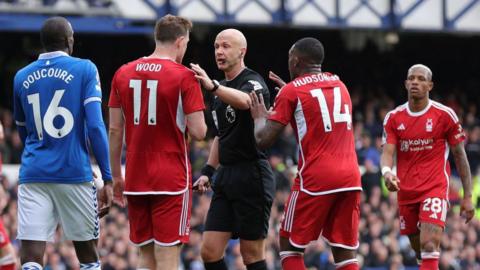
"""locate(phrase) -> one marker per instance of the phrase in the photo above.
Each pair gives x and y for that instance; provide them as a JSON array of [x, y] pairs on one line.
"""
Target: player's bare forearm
[[115, 141], [386, 162], [115, 133], [266, 134], [463, 168], [196, 125], [386, 159], [213, 156]]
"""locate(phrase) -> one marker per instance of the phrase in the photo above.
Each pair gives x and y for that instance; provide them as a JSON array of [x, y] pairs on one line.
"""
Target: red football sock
[[292, 260], [8, 267], [429, 264]]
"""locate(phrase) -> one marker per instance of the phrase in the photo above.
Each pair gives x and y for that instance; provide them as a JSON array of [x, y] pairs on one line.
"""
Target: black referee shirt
[[235, 127]]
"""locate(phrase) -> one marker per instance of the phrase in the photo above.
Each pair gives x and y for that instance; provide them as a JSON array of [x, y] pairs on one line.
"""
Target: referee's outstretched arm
[[236, 98]]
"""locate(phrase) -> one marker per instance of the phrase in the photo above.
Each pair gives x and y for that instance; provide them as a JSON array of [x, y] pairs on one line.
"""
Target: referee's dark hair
[[56, 34], [309, 50]]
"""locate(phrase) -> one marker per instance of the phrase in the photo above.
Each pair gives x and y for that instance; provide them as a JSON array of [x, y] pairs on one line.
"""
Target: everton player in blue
[[57, 108]]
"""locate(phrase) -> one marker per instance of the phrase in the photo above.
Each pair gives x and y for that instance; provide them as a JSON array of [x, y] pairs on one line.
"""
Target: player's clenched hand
[[202, 76], [276, 79], [118, 188], [392, 182], [466, 209], [105, 199], [201, 185]]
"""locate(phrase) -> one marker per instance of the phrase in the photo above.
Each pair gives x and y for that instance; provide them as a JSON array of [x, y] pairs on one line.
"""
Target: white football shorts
[[42, 206]]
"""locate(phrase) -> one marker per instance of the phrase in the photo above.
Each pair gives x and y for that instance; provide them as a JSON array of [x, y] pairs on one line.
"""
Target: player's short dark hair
[[54, 33], [170, 27], [309, 50]]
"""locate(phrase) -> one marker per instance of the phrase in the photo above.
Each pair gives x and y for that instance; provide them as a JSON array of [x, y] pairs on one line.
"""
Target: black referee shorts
[[242, 200]]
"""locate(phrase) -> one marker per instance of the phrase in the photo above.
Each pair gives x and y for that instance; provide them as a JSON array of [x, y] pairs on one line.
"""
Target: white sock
[[31, 266], [90, 266]]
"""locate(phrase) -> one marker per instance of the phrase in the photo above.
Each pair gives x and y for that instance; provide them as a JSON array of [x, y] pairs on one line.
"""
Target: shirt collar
[[420, 113], [54, 54]]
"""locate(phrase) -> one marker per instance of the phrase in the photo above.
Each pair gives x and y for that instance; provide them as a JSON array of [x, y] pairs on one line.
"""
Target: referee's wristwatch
[[216, 84]]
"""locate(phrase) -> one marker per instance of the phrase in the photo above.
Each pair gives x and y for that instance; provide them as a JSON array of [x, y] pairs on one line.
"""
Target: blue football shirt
[[50, 96]]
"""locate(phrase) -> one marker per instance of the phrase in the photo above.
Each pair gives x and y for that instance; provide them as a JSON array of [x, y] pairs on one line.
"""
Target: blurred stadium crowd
[[381, 246]]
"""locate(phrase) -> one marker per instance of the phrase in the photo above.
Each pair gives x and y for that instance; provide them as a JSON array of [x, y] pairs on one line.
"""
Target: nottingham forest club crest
[[429, 125], [230, 114]]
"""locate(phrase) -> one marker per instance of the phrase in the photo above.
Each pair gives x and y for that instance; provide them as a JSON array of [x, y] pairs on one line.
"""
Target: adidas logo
[[401, 127], [433, 215]]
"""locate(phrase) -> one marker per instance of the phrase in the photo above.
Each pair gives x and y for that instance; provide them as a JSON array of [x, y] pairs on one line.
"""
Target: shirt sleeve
[[389, 136], [284, 106], [192, 98], [114, 101], [93, 89], [455, 133], [97, 136]]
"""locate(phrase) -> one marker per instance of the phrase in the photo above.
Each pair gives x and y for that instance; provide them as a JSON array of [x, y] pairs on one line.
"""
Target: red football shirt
[[155, 96], [422, 142], [319, 108]]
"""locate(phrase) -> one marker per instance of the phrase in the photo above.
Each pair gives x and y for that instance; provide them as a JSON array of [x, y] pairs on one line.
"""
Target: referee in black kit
[[244, 187]]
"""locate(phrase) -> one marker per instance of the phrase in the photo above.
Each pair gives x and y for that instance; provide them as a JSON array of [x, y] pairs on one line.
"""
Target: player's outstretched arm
[[463, 168], [386, 162], [116, 143], [236, 98], [266, 131]]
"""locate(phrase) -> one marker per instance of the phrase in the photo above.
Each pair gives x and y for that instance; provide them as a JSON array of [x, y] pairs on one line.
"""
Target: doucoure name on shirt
[[321, 77], [47, 73]]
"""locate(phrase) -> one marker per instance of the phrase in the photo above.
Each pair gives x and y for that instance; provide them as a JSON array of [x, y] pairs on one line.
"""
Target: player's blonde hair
[[421, 66]]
